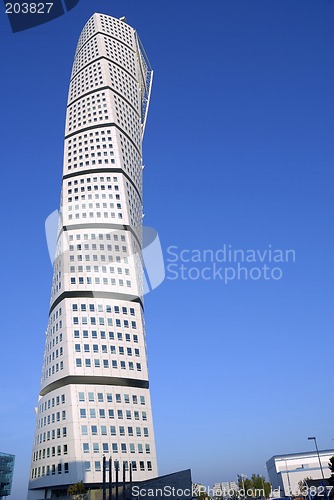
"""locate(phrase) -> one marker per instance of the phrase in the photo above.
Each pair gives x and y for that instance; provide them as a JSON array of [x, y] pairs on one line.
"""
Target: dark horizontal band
[[102, 125], [102, 171], [100, 225], [108, 59], [84, 294], [94, 380], [109, 36], [105, 87]]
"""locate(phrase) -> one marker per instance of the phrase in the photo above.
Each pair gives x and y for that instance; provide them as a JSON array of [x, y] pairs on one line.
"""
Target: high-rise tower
[[94, 397]]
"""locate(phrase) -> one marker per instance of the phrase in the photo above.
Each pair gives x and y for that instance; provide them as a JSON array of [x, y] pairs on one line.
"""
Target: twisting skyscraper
[[94, 398]]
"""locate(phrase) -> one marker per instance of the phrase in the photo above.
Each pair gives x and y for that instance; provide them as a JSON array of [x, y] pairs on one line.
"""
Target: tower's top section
[[107, 25], [112, 39]]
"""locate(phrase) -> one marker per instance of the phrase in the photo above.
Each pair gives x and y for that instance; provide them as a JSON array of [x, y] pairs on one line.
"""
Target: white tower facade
[[94, 398]]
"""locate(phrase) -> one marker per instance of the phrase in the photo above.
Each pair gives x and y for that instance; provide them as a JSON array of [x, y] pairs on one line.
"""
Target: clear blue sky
[[238, 151]]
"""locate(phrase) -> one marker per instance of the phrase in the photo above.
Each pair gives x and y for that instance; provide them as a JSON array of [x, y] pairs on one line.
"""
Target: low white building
[[286, 471]]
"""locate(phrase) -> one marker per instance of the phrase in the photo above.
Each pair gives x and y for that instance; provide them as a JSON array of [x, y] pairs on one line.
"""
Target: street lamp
[[322, 472]]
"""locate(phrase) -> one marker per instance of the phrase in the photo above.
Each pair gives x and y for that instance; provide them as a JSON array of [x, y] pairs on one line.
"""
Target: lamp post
[[312, 438]]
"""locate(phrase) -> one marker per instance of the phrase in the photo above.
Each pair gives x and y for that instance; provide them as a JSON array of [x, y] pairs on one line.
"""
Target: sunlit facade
[[94, 398]]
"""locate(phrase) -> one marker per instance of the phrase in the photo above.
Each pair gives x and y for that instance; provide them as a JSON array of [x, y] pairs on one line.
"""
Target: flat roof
[[299, 454]]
